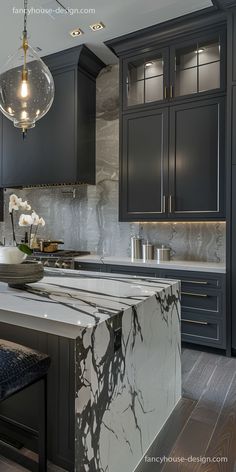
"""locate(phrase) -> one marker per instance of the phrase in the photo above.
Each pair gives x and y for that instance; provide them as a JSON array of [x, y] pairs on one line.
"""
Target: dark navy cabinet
[[173, 162], [203, 300], [144, 165], [61, 147], [172, 135], [197, 160]]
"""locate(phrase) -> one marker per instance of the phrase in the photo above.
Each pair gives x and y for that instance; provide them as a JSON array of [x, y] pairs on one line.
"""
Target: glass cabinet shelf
[[197, 68]]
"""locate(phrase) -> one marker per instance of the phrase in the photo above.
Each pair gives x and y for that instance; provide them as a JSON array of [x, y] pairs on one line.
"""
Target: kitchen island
[[116, 372]]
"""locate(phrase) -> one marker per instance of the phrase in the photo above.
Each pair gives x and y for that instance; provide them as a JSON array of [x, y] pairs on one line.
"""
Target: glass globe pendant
[[26, 86]]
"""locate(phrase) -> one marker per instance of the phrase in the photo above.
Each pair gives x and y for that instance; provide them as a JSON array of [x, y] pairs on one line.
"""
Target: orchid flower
[[25, 220], [15, 204]]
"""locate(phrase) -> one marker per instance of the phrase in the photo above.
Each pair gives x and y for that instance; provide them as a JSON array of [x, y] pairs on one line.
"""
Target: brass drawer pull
[[203, 282], [163, 204], [203, 295], [165, 92], [196, 322]]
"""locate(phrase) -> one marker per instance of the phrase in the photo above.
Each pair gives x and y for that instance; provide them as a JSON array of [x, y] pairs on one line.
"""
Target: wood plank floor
[[203, 424]]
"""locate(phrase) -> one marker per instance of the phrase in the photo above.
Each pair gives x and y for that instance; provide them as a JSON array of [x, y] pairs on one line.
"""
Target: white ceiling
[[51, 32]]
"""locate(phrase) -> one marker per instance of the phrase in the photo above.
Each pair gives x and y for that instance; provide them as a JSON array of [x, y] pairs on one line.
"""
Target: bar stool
[[21, 367]]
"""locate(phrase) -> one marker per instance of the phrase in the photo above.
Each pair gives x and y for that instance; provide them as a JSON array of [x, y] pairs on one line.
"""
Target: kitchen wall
[[88, 218]]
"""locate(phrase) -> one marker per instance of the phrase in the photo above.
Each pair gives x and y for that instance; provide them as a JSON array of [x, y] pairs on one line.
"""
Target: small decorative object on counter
[[136, 248], [148, 252], [163, 254], [21, 274], [17, 253]]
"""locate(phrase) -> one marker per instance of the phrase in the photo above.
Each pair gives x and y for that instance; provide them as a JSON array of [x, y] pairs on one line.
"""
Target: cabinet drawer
[[206, 301], [203, 331], [195, 280], [90, 267], [138, 271]]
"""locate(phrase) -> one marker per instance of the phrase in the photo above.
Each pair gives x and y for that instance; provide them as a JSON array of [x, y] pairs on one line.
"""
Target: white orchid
[[14, 203], [25, 220], [35, 218], [41, 222], [25, 206]]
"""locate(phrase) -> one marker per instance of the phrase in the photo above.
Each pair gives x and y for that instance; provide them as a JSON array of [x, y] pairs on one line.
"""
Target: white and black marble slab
[[64, 301], [127, 378], [124, 397]]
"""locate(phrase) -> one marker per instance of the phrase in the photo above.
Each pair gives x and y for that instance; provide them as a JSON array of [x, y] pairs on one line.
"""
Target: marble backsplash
[[87, 219]]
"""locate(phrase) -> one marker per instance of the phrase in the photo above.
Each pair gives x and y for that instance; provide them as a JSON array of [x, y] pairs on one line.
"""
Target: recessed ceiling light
[[97, 26], [148, 64], [199, 50], [76, 32]]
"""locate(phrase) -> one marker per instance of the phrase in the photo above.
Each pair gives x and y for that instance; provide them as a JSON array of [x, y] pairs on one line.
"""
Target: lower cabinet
[[203, 303]]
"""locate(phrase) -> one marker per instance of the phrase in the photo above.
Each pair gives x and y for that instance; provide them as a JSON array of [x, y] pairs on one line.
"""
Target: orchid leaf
[[25, 248]]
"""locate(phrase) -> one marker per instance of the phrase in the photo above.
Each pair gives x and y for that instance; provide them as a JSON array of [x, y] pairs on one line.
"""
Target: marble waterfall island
[[116, 373]]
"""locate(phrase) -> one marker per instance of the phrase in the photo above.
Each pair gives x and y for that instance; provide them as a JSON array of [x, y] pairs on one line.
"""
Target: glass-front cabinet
[[185, 70], [197, 68], [146, 79]]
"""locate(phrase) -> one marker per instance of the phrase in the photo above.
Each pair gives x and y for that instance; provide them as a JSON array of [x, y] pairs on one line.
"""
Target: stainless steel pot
[[163, 254]]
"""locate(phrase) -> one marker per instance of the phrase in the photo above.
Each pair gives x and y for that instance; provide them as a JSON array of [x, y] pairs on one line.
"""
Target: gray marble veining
[[90, 220], [126, 350]]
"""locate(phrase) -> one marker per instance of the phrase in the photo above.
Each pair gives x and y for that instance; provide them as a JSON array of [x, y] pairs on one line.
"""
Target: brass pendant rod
[[25, 39]]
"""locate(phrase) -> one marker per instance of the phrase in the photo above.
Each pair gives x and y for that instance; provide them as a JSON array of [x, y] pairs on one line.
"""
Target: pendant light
[[26, 85]]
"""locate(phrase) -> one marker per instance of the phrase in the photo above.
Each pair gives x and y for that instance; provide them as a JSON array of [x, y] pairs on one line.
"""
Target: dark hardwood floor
[[204, 422], [202, 425]]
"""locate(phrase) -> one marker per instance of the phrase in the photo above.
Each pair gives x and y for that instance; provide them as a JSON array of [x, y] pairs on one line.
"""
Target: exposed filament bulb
[[24, 86]]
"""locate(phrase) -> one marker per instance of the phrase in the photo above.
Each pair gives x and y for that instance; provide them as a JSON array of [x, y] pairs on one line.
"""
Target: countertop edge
[[190, 266]]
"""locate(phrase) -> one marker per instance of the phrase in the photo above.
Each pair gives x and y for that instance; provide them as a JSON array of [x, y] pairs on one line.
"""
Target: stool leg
[[43, 427]]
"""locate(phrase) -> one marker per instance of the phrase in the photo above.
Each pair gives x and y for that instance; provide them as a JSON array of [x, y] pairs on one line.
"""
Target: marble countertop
[[216, 267], [63, 302]]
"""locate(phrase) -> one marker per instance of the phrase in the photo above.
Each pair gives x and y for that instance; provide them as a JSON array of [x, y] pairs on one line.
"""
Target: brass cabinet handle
[[171, 91], [203, 295], [195, 322], [170, 204], [202, 282], [163, 204], [165, 92]]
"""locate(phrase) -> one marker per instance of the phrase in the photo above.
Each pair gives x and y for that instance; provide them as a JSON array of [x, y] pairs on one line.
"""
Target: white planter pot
[[11, 255]]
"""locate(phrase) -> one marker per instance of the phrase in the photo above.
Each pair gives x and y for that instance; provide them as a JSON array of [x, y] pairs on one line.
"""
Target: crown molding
[[171, 30]]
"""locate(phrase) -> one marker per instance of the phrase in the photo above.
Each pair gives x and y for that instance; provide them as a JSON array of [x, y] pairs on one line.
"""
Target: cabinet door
[[233, 235], [145, 79], [48, 154], [144, 166], [198, 67], [196, 161]]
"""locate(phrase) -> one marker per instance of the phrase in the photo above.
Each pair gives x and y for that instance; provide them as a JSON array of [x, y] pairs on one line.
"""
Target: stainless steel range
[[61, 259]]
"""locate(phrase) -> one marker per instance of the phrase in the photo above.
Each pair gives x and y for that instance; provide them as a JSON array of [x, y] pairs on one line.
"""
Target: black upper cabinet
[[197, 67], [172, 163], [191, 68], [144, 165], [172, 135], [61, 147], [145, 79], [197, 159]]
